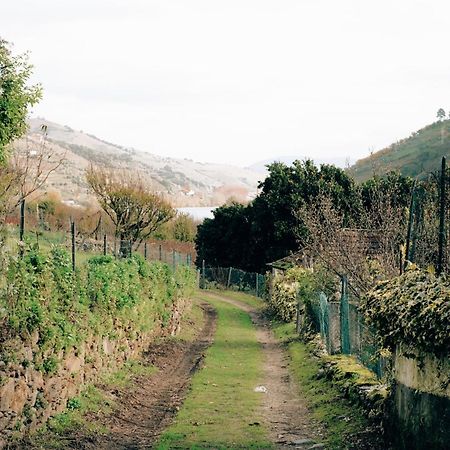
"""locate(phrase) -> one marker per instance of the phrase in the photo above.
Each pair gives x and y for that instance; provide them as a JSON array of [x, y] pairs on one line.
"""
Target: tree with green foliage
[[440, 114], [182, 228], [392, 190], [225, 240], [16, 96], [249, 237]]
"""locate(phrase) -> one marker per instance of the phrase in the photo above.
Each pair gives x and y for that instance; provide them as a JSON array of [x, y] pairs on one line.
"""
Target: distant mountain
[[415, 156], [185, 182], [260, 166]]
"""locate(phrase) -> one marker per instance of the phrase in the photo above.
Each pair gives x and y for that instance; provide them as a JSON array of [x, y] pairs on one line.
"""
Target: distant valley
[[188, 183], [183, 181]]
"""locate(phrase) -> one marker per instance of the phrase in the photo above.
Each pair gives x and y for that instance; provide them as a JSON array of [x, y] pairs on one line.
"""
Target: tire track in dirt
[[145, 410], [285, 412]]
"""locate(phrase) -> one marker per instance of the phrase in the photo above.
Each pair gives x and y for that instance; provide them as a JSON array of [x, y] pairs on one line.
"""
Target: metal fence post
[[345, 316], [229, 277], [203, 273], [22, 219], [104, 245], [440, 263], [160, 252], [173, 259], [410, 225], [145, 250], [72, 229]]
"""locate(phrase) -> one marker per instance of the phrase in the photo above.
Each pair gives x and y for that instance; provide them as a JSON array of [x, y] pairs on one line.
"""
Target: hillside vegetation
[[184, 182], [415, 156]]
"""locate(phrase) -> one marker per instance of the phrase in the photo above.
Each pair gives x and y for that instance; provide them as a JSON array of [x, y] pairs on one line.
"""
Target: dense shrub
[[41, 295], [288, 289], [297, 286], [413, 309]]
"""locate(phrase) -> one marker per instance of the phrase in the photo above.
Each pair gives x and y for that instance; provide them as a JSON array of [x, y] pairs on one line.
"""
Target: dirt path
[[286, 413], [149, 407]]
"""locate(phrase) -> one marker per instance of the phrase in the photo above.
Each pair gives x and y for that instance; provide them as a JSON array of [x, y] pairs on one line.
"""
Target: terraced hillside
[[185, 182]]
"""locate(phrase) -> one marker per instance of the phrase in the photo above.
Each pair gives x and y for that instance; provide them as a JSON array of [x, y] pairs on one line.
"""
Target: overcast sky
[[238, 80]]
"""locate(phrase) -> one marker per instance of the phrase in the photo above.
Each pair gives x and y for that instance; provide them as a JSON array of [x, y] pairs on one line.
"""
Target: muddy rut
[[143, 412]]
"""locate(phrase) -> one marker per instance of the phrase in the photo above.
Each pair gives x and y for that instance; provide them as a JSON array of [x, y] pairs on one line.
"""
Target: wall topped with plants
[[412, 309], [60, 330]]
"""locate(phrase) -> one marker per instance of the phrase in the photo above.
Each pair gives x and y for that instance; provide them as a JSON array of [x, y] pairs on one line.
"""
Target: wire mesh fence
[[427, 238], [234, 279], [83, 236], [83, 246], [342, 328]]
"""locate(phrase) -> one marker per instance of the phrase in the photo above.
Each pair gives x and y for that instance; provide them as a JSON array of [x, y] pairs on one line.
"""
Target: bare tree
[[27, 171], [133, 207], [366, 253]]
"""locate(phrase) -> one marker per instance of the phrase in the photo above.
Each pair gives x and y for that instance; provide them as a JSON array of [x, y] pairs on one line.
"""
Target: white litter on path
[[262, 389]]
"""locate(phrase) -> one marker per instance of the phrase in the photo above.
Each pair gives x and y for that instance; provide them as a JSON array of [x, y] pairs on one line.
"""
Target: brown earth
[[144, 409], [144, 412]]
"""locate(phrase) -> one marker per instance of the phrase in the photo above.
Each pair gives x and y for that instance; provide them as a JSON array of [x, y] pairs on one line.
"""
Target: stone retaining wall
[[29, 397], [420, 404]]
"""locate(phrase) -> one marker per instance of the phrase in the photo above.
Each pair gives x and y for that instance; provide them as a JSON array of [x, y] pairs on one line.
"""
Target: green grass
[[192, 323], [417, 155], [121, 378], [81, 410], [251, 300], [339, 417], [222, 411], [53, 435], [46, 240]]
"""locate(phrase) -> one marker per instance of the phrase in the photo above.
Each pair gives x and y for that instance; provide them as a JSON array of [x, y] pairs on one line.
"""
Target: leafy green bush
[[41, 295], [413, 309], [296, 284]]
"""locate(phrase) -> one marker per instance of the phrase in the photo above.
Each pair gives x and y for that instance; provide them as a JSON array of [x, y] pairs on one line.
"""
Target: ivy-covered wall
[[411, 316], [60, 330], [412, 309]]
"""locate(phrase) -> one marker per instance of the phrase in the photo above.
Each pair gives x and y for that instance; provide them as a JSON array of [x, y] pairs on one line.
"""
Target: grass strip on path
[[341, 420], [222, 409], [248, 299]]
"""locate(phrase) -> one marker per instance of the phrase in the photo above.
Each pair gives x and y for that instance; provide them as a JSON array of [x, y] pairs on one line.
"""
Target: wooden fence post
[[145, 250], [104, 245], [440, 264], [160, 252]]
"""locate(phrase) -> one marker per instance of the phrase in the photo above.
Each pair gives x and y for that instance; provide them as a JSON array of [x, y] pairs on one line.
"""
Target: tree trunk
[[124, 248]]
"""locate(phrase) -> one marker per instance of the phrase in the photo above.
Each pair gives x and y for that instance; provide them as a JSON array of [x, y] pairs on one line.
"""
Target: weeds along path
[[290, 423], [149, 408], [146, 404]]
